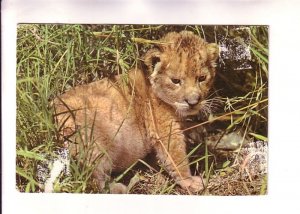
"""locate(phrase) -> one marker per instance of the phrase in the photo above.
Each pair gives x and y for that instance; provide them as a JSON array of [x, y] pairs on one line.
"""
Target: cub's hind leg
[[102, 175]]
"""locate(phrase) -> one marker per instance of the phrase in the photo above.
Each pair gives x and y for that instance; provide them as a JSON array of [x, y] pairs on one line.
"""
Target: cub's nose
[[193, 100]]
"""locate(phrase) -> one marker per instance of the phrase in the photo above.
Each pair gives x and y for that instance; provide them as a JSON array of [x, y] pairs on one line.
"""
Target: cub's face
[[182, 70]]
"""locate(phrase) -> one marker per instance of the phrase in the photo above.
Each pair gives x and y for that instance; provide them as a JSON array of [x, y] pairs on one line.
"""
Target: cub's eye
[[201, 78], [176, 81]]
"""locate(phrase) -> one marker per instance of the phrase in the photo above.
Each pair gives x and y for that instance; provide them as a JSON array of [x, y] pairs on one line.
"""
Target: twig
[[216, 118]]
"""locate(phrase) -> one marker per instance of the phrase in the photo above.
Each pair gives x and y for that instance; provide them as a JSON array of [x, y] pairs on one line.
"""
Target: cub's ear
[[212, 53], [151, 58]]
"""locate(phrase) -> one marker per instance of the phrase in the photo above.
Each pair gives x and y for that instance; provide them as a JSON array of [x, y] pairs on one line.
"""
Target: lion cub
[[124, 122]]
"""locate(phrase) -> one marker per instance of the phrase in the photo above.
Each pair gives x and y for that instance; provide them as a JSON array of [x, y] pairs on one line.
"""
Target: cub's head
[[181, 71]]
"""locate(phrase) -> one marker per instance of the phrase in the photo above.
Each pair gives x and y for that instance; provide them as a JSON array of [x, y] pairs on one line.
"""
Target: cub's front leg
[[171, 151]]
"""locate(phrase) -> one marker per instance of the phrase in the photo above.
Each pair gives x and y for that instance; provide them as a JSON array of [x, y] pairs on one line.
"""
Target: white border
[[284, 20]]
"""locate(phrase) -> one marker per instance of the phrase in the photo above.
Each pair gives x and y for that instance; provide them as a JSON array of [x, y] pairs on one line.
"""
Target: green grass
[[52, 58]]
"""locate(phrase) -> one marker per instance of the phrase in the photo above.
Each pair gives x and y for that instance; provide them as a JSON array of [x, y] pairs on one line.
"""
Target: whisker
[[210, 106]]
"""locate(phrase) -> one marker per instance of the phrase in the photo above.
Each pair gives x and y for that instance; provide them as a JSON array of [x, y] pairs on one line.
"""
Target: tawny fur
[[125, 122]]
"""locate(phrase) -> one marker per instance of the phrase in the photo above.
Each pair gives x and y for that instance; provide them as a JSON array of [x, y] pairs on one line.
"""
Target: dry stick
[[214, 119], [109, 33], [163, 146], [147, 41]]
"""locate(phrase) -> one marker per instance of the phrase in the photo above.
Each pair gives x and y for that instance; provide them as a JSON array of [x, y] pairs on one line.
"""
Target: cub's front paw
[[194, 183]]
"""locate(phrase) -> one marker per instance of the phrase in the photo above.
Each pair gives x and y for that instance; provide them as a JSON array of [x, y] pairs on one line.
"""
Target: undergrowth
[[52, 58]]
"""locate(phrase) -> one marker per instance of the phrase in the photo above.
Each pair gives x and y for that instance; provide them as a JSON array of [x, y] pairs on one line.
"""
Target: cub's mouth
[[184, 109], [204, 107], [181, 105]]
